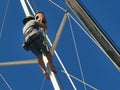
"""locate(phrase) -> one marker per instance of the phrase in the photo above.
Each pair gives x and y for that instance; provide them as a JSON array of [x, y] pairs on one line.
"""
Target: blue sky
[[97, 68]]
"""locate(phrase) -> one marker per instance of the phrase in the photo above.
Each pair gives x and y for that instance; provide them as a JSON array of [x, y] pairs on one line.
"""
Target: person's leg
[[43, 49], [42, 66], [38, 53], [49, 57]]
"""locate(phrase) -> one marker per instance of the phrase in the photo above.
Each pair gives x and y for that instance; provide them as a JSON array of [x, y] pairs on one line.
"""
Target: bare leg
[[49, 57], [42, 66]]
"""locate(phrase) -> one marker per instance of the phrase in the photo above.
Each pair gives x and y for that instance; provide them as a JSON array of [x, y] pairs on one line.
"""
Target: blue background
[[98, 70]]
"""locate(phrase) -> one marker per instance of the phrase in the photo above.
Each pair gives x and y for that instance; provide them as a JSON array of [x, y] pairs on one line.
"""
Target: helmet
[[25, 20]]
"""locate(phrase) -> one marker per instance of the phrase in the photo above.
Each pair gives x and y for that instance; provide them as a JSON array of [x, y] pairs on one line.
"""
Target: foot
[[52, 67], [47, 75]]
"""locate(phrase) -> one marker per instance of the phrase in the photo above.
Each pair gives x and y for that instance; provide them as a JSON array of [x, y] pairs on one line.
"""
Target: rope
[[57, 6], [3, 22], [5, 82], [78, 57], [87, 33], [81, 81], [84, 29], [30, 7], [43, 82], [35, 5]]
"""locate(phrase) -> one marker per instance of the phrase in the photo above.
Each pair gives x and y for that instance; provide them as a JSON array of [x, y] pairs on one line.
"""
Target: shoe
[[47, 75]]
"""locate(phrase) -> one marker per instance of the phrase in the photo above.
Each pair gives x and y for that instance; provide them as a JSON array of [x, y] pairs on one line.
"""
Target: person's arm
[[44, 26]]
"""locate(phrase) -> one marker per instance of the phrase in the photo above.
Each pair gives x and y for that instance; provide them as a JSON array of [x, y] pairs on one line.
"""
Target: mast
[[95, 32], [53, 77], [25, 7]]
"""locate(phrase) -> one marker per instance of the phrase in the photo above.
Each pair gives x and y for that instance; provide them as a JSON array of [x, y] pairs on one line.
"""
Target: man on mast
[[36, 41]]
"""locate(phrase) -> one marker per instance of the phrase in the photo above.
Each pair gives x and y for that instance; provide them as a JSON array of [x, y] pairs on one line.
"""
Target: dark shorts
[[36, 44], [37, 47]]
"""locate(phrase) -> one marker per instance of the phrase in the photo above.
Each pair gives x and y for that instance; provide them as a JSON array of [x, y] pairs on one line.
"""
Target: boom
[[95, 32]]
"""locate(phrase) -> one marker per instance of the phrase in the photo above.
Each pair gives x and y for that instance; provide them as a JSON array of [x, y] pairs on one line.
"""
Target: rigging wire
[[83, 27], [77, 79], [30, 7], [35, 5], [43, 82], [5, 82], [78, 57], [60, 61], [84, 30], [81, 81], [4, 18], [58, 6]]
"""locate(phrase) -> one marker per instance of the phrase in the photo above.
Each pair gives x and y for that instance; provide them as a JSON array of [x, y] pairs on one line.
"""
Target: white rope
[[87, 33], [78, 57], [43, 82], [35, 5], [83, 28], [31, 7], [5, 82], [60, 61], [81, 81], [3, 22], [58, 6]]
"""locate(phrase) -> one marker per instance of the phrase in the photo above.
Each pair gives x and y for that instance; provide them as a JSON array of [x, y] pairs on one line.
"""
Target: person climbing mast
[[35, 40]]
